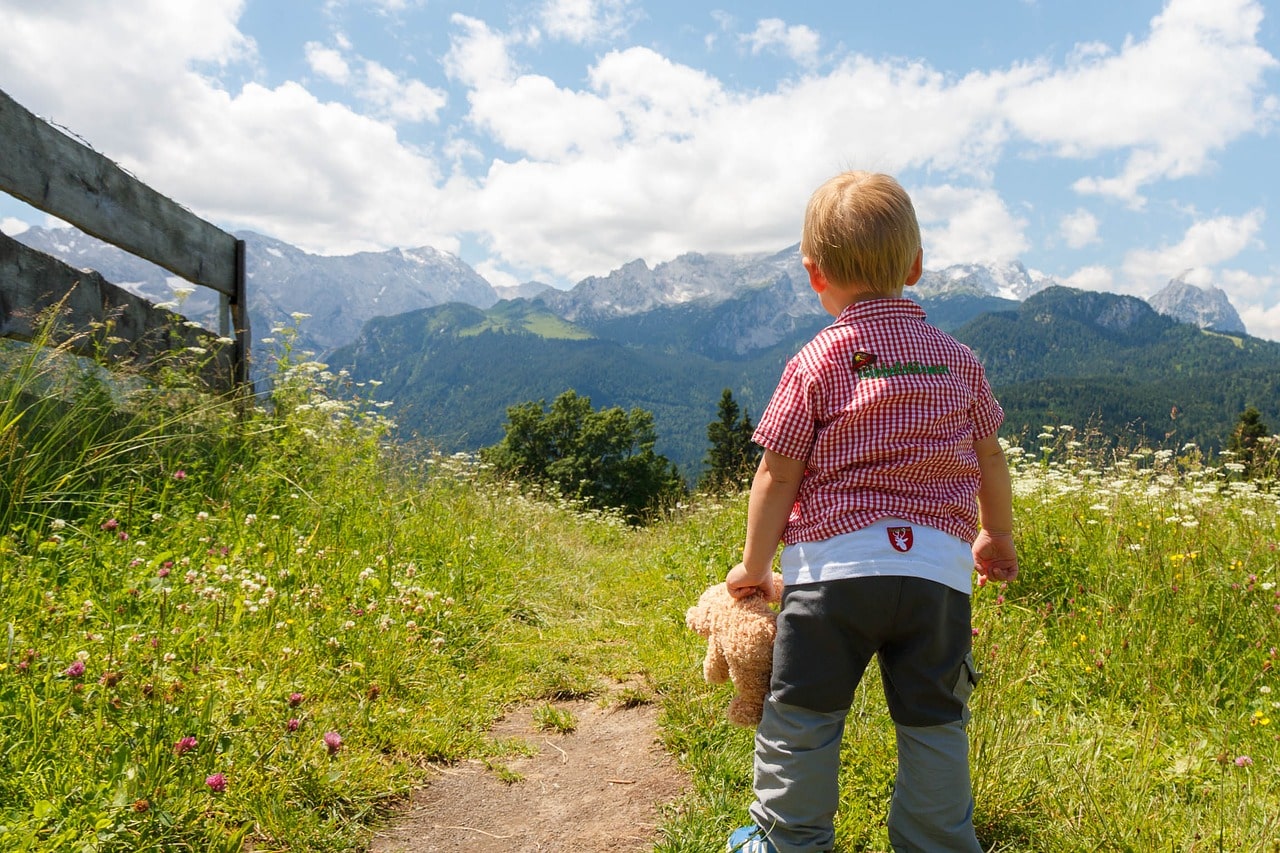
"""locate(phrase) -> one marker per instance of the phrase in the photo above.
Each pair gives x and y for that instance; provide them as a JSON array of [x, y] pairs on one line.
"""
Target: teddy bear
[[739, 636]]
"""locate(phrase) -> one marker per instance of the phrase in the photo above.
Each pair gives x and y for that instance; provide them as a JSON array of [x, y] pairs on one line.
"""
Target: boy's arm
[[994, 554], [773, 493]]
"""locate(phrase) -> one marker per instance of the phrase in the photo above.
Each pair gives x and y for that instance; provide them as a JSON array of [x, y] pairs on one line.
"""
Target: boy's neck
[[855, 295]]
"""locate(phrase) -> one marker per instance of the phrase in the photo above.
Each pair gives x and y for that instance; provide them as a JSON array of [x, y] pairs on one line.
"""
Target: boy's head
[[860, 230]]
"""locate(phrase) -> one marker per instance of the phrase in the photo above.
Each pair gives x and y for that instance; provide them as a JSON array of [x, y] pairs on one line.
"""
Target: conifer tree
[[1246, 442], [733, 455]]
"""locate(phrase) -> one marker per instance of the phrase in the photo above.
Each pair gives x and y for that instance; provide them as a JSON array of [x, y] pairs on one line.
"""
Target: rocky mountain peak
[[1206, 307]]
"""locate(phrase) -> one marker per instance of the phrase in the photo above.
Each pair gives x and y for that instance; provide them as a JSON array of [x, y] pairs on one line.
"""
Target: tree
[[1247, 442], [604, 459], [733, 455]]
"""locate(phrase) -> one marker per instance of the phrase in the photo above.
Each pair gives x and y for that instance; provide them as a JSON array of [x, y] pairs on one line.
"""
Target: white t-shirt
[[891, 547]]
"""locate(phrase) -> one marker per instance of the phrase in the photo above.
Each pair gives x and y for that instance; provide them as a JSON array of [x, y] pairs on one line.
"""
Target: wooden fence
[[49, 170]]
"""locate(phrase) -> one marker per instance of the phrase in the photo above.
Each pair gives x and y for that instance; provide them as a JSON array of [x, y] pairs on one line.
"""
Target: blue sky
[[1111, 145]]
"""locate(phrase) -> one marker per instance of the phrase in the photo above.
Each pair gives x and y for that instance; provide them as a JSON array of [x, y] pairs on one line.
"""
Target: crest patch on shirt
[[901, 538], [863, 359]]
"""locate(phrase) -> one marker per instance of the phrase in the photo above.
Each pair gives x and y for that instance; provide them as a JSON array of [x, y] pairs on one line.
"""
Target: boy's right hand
[[741, 583], [994, 555]]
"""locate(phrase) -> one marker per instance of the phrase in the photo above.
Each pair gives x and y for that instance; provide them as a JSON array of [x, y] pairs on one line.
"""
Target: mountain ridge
[[454, 355]]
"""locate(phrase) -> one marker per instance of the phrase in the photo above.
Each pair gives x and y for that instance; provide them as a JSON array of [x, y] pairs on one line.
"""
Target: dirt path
[[597, 789]]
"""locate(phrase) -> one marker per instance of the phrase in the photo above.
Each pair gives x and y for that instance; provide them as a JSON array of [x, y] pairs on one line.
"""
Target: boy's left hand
[[994, 555], [741, 584]]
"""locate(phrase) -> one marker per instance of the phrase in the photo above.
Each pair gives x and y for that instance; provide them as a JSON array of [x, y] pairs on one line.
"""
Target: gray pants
[[920, 633]]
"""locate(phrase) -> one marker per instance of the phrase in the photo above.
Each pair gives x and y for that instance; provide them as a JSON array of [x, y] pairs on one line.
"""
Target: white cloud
[[100, 61], [584, 21], [1166, 103], [478, 57], [328, 63], [960, 225], [1207, 243], [380, 87], [1079, 229], [798, 42], [638, 155], [655, 97], [404, 100], [13, 226], [1261, 321], [1092, 278]]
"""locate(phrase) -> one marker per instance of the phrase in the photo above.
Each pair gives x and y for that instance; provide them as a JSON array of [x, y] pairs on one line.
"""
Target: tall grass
[[221, 630]]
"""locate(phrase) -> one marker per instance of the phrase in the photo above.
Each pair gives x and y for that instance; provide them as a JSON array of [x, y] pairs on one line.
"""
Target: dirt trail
[[597, 789]]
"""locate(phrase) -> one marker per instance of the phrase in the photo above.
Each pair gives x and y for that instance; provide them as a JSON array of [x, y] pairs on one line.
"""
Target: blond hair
[[860, 228]]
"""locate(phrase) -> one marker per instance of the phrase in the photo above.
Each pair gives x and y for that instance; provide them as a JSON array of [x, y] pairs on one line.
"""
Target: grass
[[221, 631]]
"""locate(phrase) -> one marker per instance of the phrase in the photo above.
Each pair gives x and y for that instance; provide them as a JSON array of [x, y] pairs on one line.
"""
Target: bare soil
[[596, 789]]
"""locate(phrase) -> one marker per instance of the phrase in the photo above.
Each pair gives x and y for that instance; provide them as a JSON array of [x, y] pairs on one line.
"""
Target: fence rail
[[62, 176]]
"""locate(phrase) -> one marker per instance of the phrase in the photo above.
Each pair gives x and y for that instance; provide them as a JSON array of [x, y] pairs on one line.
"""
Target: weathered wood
[[99, 319], [62, 176]]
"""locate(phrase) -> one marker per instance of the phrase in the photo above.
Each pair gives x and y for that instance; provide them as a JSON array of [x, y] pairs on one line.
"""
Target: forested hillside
[[1062, 356], [1068, 356]]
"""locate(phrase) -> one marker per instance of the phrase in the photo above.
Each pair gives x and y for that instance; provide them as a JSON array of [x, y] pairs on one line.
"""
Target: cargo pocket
[[966, 680]]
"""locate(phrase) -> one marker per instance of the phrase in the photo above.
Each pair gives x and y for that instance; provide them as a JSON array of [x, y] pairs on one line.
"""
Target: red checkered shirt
[[884, 410]]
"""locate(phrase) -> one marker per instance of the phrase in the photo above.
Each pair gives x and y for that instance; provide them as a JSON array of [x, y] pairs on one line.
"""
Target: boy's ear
[[817, 280], [917, 269]]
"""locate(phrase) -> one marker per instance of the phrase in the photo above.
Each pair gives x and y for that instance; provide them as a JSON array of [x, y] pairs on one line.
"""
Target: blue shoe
[[749, 839]]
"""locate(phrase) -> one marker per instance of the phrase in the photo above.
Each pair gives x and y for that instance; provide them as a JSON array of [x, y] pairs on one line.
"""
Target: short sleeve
[[987, 413], [789, 423]]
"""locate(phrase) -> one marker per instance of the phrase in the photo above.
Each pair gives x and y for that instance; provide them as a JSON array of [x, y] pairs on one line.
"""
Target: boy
[[880, 460]]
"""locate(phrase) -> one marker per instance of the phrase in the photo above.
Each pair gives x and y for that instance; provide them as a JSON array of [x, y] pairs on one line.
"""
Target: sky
[[1111, 145]]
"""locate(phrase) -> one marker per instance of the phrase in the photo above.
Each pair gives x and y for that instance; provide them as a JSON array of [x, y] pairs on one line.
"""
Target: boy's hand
[[994, 555], [742, 584]]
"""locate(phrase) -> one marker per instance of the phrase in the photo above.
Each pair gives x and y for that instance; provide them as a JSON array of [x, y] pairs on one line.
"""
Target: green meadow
[[227, 629]]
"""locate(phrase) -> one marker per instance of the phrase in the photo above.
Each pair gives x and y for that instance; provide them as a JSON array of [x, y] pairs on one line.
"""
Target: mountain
[[527, 290], [1115, 364], [339, 294], [1207, 307], [1060, 356], [671, 337], [1011, 281]]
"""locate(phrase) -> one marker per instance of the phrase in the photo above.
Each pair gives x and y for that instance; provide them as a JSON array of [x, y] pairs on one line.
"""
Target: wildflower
[[163, 572], [1244, 761], [217, 783], [109, 524], [141, 806], [202, 516], [295, 699], [75, 670], [185, 745], [58, 524], [333, 742], [293, 724]]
